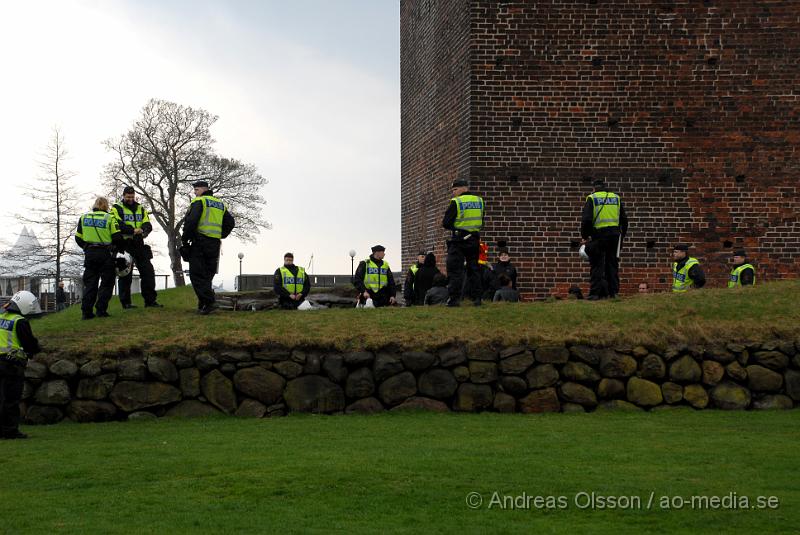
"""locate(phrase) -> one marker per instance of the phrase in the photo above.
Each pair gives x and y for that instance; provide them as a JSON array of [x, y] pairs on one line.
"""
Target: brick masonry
[[689, 109]]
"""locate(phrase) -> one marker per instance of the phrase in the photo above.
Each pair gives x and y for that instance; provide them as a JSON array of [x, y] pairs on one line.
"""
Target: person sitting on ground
[[291, 284], [438, 294], [506, 292], [424, 278]]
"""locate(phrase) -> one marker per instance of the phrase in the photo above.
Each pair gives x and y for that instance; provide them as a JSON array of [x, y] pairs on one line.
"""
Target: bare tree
[[52, 216], [169, 147]]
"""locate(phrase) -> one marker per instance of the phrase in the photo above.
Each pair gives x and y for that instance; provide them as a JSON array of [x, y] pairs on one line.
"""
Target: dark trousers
[[602, 251], [147, 275], [287, 303], [462, 256], [202, 268], [98, 267], [11, 383]]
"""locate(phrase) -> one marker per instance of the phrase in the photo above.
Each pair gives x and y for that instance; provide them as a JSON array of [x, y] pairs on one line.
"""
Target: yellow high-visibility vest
[[681, 281], [606, 209], [210, 223], [376, 277]]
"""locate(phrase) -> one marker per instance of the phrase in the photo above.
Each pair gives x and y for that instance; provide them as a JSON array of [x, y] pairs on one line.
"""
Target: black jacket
[[193, 218], [449, 219], [61, 295], [507, 269], [277, 283], [437, 295], [587, 221], [695, 273], [389, 290], [416, 286], [506, 294]]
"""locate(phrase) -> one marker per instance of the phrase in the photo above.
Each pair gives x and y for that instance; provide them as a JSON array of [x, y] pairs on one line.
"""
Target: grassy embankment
[[406, 473], [704, 316]]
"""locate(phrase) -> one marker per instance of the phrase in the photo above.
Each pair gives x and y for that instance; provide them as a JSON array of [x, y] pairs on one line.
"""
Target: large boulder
[[397, 388], [360, 383], [504, 403], [132, 370], [771, 402], [761, 379], [516, 386], [481, 372], [517, 363], [618, 405], [643, 392], [793, 384], [162, 369], [96, 387], [288, 369], [730, 396], [43, 415], [577, 393], [685, 370], [417, 360], [587, 354], [91, 411], [452, 356], [365, 406], [358, 358], [64, 368], [205, 362], [696, 395], [736, 371], [91, 369], [774, 360], [580, 372], [672, 392], [438, 384], [712, 372], [473, 398], [616, 365], [218, 390], [544, 400], [333, 366], [133, 395], [653, 367], [191, 408], [542, 376], [314, 393], [258, 383], [190, 382], [35, 371], [386, 365], [422, 404], [53, 393], [552, 354], [250, 408], [610, 389]]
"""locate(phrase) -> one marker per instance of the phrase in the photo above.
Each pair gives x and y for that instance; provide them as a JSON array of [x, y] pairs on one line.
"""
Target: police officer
[[603, 224], [464, 219], [374, 280], [17, 344], [290, 284], [686, 271], [134, 223], [743, 273], [409, 295], [207, 222], [98, 235]]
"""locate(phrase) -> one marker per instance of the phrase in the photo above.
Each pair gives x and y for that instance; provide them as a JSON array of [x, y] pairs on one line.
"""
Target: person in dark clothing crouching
[[290, 284], [374, 280], [17, 345], [438, 294], [423, 280]]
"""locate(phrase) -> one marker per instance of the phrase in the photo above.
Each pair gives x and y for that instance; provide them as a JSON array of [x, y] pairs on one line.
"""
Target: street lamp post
[[352, 260], [241, 255]]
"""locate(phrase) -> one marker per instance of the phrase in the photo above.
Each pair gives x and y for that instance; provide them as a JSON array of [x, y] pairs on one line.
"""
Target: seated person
[[506, 292], [437, 295]]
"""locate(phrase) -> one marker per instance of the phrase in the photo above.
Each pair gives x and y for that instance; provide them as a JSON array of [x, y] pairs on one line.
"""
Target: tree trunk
[[175, 261]]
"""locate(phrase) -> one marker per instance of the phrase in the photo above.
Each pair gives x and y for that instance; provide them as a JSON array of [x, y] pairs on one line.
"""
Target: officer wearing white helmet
[[17, 344]]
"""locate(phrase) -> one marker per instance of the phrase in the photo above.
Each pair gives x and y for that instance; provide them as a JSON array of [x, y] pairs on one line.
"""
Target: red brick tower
[[689, 109]]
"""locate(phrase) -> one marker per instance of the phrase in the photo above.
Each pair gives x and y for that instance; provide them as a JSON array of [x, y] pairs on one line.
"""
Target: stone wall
[[547, 378]]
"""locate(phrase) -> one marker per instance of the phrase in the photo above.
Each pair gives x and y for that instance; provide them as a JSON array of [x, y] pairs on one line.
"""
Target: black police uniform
[[141, 255], [98, 267], [12, 379], [602, 250], [463, 249]]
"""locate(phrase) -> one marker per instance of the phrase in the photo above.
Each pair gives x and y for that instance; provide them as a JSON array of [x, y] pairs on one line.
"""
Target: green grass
[[750, 314], [399, 473]]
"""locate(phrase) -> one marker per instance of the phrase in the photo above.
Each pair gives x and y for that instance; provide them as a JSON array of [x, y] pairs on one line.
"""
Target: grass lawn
[[405, 472], [749, 314]]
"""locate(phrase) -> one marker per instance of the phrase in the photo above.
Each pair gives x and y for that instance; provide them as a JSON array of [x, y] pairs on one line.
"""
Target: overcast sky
[[307, 90]]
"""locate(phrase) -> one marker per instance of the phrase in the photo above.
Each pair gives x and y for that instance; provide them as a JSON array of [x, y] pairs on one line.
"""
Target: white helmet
[[26, 303], [583, 253], [128, 259]]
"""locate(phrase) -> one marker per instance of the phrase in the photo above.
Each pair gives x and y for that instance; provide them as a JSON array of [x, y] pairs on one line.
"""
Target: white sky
[[308, 91]]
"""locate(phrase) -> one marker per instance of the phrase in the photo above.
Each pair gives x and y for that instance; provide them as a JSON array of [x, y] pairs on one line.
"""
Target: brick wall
[[689, 109]]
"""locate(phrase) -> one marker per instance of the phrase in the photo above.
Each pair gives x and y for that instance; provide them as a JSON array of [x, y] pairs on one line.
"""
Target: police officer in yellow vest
[[464, 219], [17, 344], [135, 226], [374, 280], [207, 222], [743, 273], [99, 236], [686, 271], [604, 224], [290, 284], [408, 283]]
